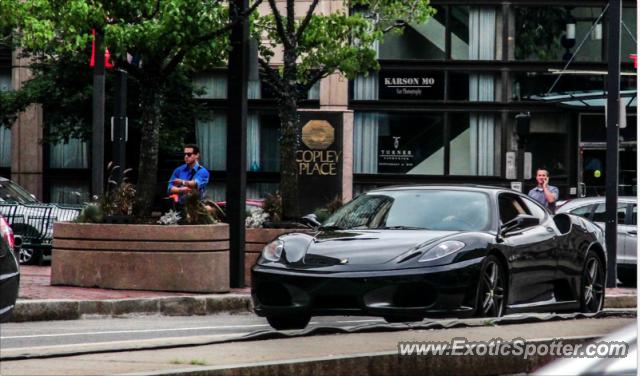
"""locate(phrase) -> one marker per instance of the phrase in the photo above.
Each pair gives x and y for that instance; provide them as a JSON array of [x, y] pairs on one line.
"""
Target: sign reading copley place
[[319, 159], [425, 85]]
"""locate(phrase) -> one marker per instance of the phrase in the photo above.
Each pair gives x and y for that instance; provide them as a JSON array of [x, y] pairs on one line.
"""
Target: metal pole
[[97, 129], [237, 140], [613, 120], [119, 125]]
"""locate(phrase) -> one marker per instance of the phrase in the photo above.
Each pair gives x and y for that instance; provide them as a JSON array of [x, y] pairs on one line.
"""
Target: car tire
[[592, 284], [492, 288], [30, 256], [288, 322], [627, 277]]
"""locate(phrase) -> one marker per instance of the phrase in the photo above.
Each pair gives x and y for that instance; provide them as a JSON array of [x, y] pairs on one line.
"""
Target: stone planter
[[141, 257], [255, 240]]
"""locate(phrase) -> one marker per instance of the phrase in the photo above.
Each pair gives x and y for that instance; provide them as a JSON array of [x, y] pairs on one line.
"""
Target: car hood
[[355, 247]]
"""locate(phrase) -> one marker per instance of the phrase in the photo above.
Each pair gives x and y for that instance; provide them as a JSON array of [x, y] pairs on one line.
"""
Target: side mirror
[[311, 220], [519, 222]]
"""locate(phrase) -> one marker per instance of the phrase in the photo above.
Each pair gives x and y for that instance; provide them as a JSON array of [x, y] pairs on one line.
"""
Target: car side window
[[509, 207], [634, 215], [583, 211], [600, 215], [535, 209]]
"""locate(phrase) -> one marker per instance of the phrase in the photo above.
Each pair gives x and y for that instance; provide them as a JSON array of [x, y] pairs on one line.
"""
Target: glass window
[[410, 209], [535, 209], [527, 84], [263, 145], [69, 193], [549, 133], [474, 87], [583, 211], [628, 33], [473, 33], [510, 207], [398, 143], [72, 154], [425, 41], [554, 33], [474, 144], [214, 85], [600, 214], [13, 193], [634, 215], [5, 133]]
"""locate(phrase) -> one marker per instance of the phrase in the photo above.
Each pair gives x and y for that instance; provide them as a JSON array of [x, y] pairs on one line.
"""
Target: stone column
[[26, 135]]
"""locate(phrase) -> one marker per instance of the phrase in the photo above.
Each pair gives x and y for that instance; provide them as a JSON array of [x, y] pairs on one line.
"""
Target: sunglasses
[[188, 154]]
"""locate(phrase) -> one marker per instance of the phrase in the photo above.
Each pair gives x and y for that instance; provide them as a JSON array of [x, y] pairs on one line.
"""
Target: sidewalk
[[38, 300]]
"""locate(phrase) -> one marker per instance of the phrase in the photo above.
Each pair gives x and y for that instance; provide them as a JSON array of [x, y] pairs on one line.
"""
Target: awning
[[584, 99]]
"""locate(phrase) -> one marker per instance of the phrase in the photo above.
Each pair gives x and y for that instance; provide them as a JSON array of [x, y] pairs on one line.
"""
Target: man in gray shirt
[[545, 194]]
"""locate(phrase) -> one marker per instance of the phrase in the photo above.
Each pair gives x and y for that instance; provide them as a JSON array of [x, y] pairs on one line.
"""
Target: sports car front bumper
[[440, 291]]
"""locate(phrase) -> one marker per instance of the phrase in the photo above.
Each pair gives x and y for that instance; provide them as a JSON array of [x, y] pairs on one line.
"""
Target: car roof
[[578, 202], [467, 187]]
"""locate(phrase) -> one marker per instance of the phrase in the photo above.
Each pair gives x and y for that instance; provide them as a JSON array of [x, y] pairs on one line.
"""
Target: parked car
[[32, 219], [405, 253], [593, 208], [9, 271]]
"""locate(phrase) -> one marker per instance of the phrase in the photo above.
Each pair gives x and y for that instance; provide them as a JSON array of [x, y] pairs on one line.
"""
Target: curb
[[45, 310], [384, 363], [620, 301]]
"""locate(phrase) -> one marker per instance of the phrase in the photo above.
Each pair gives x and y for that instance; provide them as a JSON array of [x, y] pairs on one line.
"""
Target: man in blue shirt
[[188, 177], [545, 194]]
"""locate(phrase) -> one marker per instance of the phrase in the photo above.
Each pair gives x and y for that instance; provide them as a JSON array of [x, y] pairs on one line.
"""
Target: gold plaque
[[318, 134]]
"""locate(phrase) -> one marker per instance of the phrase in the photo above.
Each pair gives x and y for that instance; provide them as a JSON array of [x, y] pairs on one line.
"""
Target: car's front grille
[[335, 302]]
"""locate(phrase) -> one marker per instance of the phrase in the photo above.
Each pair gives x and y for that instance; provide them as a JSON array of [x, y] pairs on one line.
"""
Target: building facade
[[441, 109]]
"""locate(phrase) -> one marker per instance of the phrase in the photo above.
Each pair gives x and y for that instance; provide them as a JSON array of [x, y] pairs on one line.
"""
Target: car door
[[532, 254], [628, 235], [600, 217]]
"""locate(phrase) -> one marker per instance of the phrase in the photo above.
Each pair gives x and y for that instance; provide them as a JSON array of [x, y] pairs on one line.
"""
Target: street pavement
[[363, 353]]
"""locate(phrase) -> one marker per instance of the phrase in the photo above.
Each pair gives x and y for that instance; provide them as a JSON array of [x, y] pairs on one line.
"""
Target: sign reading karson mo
[[318, 136]]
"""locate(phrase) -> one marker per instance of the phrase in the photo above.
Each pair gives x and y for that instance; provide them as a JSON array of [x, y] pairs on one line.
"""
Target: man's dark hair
[[195, 148], [542, 168]]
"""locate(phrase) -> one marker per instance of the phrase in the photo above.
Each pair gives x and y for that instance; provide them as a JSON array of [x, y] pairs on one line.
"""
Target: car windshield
[[13, 194], [430, 209]]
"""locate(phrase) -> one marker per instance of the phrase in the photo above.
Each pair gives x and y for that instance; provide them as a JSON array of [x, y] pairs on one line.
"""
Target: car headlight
[[441, 250], [273, 250]]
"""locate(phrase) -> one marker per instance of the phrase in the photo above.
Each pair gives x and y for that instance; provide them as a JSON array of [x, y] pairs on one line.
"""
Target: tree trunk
[[149, 145], [290, 141]]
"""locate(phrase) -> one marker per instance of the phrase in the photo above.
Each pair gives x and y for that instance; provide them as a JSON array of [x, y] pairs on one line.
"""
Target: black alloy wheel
[[592, 286], [29, 256], [491, 289], [288, 322]]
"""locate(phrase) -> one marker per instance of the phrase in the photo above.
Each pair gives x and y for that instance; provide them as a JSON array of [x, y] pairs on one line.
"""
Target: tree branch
[[314, 77], [272, 78], [291, 17], [306, 20], [279, 25]]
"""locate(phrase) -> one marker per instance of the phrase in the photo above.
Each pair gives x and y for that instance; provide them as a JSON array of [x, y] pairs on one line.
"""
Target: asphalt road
[[120, 332]]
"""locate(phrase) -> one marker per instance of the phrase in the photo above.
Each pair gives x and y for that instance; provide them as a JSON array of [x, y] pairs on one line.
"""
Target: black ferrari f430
[[406, 253]]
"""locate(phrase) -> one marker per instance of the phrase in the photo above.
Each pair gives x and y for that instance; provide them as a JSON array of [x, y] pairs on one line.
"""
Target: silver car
[[593, 208], [32, 220]]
